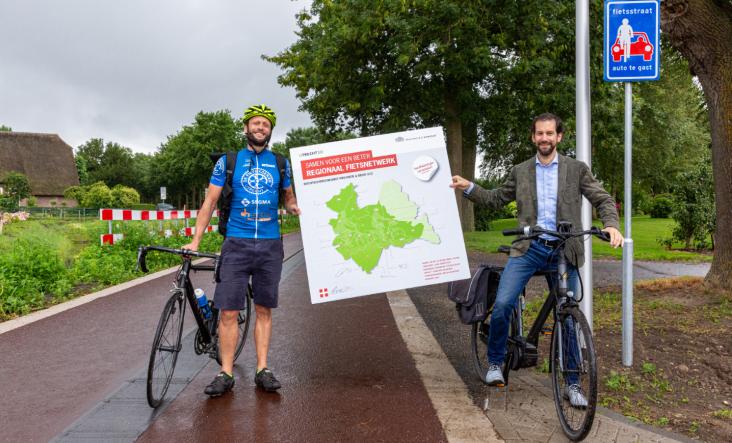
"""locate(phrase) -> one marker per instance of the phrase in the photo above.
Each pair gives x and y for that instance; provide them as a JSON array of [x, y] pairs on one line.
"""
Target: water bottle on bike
[[203, 303]]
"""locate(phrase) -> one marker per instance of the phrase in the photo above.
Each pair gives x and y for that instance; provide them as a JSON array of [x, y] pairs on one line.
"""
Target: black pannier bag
[[473, 297]]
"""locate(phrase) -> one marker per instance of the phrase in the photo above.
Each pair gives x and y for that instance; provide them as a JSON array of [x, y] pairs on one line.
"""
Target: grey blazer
[[575, 180]]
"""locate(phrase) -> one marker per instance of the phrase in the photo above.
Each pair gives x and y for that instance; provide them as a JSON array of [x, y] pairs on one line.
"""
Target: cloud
[[136, 71]]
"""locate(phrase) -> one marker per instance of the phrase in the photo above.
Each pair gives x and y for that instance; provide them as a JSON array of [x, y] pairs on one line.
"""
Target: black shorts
[[242, 258]]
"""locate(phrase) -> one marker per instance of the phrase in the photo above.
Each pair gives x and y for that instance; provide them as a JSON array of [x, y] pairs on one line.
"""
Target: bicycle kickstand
[[493, 390]]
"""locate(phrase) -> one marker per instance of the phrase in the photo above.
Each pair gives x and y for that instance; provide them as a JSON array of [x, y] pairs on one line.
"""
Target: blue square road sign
[[631, 41]]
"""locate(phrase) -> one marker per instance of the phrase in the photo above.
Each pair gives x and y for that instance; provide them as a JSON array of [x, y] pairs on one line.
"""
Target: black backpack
[[228, 191], [474, 296]]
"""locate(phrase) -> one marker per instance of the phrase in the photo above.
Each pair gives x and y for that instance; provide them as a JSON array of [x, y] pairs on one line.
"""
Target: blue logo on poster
[[631, 37]]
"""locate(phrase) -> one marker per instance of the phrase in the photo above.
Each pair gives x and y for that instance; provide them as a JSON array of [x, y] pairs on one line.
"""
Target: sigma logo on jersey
[[219, 168], [257, 181], [246, 202]]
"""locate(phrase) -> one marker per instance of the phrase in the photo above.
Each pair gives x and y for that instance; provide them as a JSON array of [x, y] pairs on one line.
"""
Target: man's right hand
[[192, 246], [459, 183]]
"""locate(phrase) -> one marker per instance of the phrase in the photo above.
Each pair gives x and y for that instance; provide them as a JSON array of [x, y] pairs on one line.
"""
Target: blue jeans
[[515, 275]]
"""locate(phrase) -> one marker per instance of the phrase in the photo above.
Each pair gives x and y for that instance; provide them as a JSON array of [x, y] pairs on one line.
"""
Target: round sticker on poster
[[425, 167]]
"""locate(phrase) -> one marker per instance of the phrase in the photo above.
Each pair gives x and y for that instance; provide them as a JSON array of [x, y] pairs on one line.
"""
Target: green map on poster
[[363, 233]]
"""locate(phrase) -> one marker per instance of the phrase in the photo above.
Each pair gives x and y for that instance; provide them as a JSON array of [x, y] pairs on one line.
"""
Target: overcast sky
[[136, 71]]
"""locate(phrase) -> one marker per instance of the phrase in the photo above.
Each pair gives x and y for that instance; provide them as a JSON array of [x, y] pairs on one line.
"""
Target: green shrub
[[693, 209], [40, 264], [661, 206], [98, 195], [75, 193], [112, 264], [8, 204], [124, 196], [29, 272], [16, 187]]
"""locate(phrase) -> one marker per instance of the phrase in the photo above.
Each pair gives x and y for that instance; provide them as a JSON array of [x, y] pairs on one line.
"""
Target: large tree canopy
[[299, 137], [702, 32], [109, 163], [393, 65], [183, 165]]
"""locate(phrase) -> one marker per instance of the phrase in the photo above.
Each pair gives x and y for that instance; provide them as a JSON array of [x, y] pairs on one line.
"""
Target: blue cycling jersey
[[256, 185]]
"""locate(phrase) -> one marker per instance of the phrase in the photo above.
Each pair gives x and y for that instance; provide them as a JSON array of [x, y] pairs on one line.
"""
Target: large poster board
[[378, 214]]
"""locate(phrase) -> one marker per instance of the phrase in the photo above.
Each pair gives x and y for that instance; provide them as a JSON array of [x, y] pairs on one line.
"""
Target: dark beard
[[552, 148], [256, 143]]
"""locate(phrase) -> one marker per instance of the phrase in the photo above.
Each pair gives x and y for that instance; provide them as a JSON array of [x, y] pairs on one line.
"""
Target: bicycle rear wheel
[[479, 346], [165, 349], [573, 362], [243, 320]]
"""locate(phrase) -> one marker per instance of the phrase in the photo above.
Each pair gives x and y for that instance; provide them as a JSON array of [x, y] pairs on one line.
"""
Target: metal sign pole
[[628, 245], [584, 153], [630, 53]]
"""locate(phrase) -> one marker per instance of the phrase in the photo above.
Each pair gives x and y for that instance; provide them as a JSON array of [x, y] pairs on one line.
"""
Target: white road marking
[[461, 420]]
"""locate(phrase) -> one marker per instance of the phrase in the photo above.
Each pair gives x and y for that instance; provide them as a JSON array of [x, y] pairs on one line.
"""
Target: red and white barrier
[[190, 231], [111, 215], [135, 215], [110, 239]]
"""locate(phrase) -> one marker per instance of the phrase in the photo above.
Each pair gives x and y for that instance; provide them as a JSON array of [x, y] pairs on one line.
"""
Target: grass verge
[[646, 233]]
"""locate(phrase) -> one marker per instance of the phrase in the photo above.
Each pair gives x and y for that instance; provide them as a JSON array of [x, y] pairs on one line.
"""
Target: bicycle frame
[[183, 282], [557, 298]]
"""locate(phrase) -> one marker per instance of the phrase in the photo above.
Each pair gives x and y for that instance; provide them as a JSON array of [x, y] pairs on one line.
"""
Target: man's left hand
[[616, 238], [293, 210]]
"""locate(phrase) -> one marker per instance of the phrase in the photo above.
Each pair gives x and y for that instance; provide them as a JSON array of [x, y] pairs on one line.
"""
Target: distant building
[[45, 159]]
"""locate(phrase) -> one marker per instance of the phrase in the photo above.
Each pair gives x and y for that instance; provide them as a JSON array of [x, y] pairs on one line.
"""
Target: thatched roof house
[[45, 159]]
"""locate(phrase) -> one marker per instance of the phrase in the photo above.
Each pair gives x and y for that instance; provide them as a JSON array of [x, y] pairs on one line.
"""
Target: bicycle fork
[[564, 296]]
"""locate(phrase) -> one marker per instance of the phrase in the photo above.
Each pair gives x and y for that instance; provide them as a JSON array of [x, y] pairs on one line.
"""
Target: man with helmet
[[252, 247]]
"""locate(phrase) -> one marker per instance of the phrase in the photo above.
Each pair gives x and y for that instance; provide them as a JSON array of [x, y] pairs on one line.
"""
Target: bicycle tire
[[243, 320], [576, 422], [165, 349], [479, 332]]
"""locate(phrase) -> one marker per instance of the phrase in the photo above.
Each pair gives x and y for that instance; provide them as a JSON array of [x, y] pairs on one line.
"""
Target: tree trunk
[[453, 128], [702, 32], [470, 141]]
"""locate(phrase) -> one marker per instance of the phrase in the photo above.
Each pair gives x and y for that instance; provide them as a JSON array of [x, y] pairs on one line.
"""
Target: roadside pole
[[628, 242], [584, 153], [631, 47]]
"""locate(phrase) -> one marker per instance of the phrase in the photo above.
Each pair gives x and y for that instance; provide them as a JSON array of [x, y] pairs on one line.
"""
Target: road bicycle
[[167, 342], [572, 352]]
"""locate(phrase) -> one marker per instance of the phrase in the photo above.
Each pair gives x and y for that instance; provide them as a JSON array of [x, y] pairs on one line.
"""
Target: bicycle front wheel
[[574, 373], [243, 320], [165, 349]]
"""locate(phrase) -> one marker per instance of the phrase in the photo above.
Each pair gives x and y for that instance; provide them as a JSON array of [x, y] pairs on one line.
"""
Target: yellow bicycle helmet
[[260, 111]]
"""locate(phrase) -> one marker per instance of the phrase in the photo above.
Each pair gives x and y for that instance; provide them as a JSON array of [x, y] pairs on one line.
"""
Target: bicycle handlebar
[[515, 231], [529, 232], [185, 253]]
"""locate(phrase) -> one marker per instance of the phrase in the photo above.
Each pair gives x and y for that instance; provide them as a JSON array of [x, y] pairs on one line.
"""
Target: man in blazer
[[547, 188]]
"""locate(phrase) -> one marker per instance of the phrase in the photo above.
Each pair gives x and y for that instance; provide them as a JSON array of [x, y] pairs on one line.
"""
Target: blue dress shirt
[[547, 179]]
